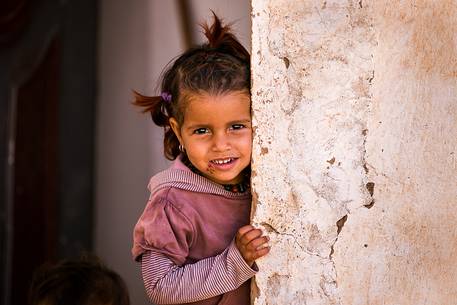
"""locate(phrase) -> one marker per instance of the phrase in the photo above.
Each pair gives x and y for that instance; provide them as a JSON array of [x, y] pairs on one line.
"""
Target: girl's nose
[[221, 142]]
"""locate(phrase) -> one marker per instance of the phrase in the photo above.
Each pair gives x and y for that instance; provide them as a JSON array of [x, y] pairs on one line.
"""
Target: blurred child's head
[[211, 82], [84, 281]]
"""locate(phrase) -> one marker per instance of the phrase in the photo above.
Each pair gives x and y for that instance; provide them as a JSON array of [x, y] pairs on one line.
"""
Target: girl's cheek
[[210, 169], [249, 144]]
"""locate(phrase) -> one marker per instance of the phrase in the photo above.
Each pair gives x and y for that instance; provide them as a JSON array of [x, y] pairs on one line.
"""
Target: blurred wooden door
[[47, 119], [34, 200]]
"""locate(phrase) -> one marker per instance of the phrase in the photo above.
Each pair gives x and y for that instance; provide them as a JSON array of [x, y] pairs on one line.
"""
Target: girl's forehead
[[204, 95], [232, 105]]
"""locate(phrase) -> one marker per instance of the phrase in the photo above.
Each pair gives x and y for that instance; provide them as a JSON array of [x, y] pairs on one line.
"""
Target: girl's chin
[[223, 173], [224, 180]]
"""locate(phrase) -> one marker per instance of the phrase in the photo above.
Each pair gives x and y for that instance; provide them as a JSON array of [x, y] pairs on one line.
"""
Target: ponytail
[[221, 39], [160, 107], [154, 105]]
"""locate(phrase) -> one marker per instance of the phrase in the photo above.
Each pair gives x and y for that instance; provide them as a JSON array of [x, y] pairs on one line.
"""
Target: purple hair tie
[[166, 96]]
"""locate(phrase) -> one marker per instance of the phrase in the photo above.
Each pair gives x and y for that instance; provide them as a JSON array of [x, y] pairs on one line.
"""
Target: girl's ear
[[176, 128]]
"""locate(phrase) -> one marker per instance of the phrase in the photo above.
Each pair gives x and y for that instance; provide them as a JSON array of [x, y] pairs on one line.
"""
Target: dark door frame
[[75, 23]]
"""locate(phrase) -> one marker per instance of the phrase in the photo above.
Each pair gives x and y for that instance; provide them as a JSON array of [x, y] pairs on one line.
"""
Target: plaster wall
[[355, 109]]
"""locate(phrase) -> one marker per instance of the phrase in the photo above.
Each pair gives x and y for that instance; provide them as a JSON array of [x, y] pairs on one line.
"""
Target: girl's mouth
[[226, 167], [224, 164], [222, 161]]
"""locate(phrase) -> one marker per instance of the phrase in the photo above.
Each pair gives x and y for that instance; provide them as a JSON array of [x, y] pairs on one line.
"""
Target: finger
[[244, 229], [262, 252], [253, 234], [253, 255], [258, 242]]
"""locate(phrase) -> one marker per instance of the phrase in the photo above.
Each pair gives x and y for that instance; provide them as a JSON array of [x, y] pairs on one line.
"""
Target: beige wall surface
[[354, 167]]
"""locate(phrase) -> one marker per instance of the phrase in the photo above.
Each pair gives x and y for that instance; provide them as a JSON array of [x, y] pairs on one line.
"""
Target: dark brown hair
[[84, 281], [219, 66]]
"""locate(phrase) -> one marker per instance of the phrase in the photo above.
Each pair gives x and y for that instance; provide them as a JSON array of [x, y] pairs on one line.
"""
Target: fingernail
[[265, 245]]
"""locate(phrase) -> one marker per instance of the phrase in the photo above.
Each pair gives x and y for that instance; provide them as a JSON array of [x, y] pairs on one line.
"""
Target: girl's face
[[217, 135]]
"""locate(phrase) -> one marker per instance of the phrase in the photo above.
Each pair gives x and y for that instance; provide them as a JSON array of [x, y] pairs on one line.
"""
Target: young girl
[[193, 238]]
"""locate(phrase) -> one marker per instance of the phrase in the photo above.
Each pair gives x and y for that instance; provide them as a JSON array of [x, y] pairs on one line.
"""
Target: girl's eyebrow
[[203, 125], [195, 126], [239, 121]]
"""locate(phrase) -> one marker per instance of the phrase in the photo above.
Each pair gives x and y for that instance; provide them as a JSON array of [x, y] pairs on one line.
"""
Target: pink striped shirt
[[184, 239]]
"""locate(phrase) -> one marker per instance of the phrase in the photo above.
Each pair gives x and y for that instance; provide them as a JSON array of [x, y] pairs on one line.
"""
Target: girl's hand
[[251, 243]]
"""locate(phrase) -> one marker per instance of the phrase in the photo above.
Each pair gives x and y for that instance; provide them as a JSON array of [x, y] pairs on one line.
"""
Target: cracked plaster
[[345, 140]]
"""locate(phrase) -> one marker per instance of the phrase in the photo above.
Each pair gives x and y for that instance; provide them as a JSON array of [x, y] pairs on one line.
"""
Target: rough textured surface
[[404, 249], [355, 108]]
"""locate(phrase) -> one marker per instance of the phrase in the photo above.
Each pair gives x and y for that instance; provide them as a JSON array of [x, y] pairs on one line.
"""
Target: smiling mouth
[[223, 161]]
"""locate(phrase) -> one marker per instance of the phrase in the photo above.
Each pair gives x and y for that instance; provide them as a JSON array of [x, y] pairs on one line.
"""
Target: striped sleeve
[[168, 283]]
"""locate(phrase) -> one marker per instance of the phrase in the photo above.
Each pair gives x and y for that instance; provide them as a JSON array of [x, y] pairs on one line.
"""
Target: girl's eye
[[237, 126], [201, 130]]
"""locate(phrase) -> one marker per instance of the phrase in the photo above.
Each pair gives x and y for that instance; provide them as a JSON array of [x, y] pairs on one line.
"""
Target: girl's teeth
[[222, 161]]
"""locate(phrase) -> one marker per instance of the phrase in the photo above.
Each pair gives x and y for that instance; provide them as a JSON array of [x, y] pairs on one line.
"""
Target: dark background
[[47, 111]]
